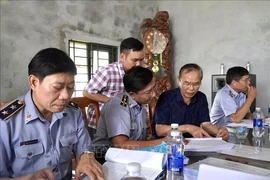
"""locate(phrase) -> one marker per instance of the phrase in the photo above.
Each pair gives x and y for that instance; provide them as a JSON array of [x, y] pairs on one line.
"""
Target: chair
[[150, 111], [2, 103], [83, 103]]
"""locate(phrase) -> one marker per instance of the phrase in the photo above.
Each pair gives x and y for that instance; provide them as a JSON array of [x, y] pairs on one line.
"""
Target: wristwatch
[[88, 152]]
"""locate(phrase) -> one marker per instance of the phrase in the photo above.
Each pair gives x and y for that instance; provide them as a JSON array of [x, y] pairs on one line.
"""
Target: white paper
[[207, 145], [221, 163], [213, 173], [145, 158], [245, 122]]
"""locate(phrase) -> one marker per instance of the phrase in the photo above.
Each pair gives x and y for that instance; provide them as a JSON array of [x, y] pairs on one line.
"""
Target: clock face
[[155, 41]]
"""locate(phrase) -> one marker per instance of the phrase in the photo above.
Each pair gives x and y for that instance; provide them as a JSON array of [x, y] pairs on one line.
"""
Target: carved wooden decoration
[[156, 37]]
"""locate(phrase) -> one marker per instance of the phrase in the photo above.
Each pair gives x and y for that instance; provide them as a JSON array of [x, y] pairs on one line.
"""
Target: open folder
[[152, 163]]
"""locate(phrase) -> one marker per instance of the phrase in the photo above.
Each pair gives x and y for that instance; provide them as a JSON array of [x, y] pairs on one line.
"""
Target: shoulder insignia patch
[[124, 100], [73, 105], [231, 94], [11, 109]]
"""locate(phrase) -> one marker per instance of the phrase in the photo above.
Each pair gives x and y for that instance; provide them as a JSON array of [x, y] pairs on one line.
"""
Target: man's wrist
[[88, 152], [218, 130]]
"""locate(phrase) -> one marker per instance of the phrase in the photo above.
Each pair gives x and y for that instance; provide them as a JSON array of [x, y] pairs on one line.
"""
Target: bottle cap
[[175, 133], [174, 126], [258, 108], [133, 167]]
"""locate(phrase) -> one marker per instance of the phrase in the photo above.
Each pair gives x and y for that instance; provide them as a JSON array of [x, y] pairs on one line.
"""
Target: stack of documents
[[207, 145]]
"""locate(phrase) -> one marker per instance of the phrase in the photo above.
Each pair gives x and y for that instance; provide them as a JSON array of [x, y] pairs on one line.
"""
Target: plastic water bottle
[[258, 129], [133, 172], [174, 127], [221, 68], [175, 155], [258, 126], [248, 66]]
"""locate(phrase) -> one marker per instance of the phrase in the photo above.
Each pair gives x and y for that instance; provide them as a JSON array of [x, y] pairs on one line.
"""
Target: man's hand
[[43, 174], [252, 92], [197, 132], [185, 141], [89, 166], [223, 133]]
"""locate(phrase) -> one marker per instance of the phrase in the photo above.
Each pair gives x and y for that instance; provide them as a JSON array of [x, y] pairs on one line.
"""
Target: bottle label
[[175, 159], [257, 122]]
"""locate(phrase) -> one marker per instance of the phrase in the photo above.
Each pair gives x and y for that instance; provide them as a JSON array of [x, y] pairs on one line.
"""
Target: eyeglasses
[[246, 79], [188, 84]]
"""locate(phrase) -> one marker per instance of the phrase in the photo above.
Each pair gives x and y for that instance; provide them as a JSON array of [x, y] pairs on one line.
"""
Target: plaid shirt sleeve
[[98, 82]]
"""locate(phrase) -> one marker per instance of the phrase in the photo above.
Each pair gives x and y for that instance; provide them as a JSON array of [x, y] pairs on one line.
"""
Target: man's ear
[[122, 57], [33, 81], [132, 95]]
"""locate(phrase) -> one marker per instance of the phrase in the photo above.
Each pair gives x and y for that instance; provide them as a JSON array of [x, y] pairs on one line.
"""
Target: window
[[88, 58]]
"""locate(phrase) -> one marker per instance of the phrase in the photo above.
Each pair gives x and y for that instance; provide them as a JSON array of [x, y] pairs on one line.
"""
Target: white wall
[[29, 26], [205, 32], [231, 32]]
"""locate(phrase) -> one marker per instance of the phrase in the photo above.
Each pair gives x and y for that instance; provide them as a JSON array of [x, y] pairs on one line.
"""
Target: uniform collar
[[233, 93], [32, 113], [131, 102]]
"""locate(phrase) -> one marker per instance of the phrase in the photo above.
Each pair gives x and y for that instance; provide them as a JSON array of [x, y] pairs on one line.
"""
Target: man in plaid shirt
[[108, 81]]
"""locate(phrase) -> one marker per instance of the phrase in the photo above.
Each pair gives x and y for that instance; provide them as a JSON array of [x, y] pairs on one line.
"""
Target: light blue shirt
[[227, 101], [29, 143], [116, 118]]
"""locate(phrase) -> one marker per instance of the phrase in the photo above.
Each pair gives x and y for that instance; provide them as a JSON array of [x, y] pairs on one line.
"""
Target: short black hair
[[137, 78], [51, 61], [131, 44], [235, 73], [191, 67]]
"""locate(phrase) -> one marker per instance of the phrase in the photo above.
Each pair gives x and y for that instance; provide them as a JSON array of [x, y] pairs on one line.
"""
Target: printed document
[[207, 145]]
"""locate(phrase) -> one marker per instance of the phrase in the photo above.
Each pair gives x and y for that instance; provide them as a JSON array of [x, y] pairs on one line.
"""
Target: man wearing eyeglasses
[[122, 122], [186, 106], [231, 103]]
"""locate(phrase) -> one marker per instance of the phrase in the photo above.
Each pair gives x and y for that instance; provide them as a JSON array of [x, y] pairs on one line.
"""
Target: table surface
[[239, 156]]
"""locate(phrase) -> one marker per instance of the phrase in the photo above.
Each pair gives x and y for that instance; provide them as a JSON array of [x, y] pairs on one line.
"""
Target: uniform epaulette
[[231, 94], [124, 100], [73, 105], [11, 109]]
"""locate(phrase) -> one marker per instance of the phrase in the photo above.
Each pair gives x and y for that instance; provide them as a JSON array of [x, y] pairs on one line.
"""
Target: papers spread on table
[[207, 145], [152, 163], [226, 166], [245, 122], [248, 152]]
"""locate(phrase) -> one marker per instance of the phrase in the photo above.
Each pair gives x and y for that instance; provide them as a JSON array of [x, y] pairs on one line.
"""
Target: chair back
[[83, 103], [2, 103]]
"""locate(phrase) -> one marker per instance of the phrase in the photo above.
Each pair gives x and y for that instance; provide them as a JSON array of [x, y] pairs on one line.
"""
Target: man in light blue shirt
[[122, 122], [40, 130], [231, 103]]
